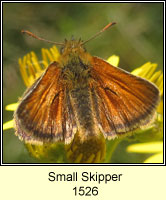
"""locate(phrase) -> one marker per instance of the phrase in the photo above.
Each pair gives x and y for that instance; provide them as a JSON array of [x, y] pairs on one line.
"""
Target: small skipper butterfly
[[85, 94]]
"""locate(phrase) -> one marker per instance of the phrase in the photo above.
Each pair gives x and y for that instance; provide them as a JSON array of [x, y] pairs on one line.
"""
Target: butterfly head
[[72, 47], [74, 51]]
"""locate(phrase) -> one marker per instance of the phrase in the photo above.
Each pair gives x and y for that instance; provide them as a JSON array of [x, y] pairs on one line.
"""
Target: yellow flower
[[154, 132], [92, 151]]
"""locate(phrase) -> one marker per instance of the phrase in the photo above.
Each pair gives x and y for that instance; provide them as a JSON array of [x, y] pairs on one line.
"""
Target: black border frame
[[83, 164]]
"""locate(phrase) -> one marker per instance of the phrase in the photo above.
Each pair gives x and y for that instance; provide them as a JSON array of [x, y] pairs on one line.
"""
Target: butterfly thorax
[[75, 63]]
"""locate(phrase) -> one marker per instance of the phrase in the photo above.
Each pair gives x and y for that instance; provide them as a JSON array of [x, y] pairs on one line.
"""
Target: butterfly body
[[84, 94]]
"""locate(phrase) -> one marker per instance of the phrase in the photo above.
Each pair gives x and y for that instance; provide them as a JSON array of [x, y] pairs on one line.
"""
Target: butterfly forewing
[[40, 115], [125, 102]]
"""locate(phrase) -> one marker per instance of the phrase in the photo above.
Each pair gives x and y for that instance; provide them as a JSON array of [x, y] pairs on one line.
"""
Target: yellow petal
[[22, 65], [160, 107], [90, 159], [150, 147], [113, 60], [35, 62], [157, 158], [79, 158], [140, 71], [47, 56], [44, 57], [98, 157], [8, 125], [145, 71], [11, 107], [155, 76], [55, 52]]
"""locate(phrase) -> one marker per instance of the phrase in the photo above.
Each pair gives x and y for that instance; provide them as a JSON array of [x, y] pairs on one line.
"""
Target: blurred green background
[[136, 38]]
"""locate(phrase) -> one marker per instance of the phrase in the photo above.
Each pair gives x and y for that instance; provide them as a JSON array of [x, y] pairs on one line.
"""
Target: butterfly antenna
[[39, 38], [102, 30]]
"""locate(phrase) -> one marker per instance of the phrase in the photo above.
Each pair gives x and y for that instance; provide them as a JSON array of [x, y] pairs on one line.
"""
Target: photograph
[[82, 83]]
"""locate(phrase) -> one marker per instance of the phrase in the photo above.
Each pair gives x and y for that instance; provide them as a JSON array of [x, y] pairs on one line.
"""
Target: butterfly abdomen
[[82, 106]]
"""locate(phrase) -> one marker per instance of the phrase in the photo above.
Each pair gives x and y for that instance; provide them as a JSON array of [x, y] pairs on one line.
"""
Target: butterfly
[[83, 94]]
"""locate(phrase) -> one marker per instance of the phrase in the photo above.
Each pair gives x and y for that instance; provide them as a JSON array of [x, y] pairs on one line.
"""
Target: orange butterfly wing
[[125, 102], [42, 115]]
